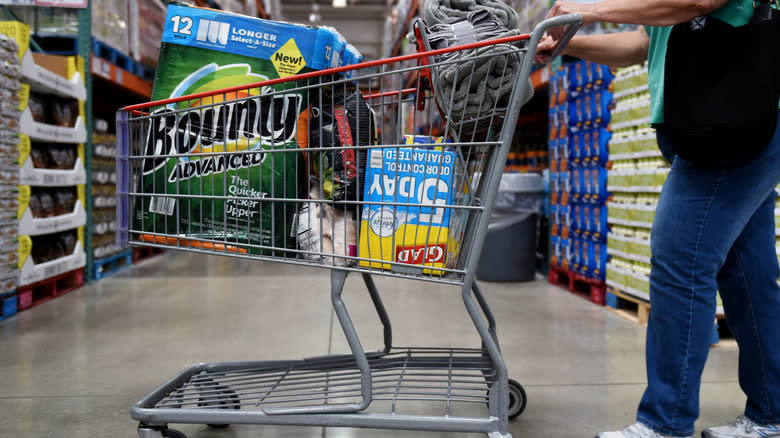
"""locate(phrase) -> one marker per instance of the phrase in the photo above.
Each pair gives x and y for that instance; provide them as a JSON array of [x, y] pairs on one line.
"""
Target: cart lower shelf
[[443, 383]]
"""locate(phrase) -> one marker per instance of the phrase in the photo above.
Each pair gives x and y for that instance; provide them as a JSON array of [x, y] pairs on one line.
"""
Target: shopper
[[714, 230]]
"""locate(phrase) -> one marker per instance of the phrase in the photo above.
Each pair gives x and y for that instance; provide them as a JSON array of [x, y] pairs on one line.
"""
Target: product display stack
[[635, 180], [50, 172], [108, 258], [10, 86], [580, 101]]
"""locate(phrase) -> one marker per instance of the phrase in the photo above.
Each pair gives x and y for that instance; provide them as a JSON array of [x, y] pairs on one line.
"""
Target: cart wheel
[[172, 433], [517, 399], [223, 392]]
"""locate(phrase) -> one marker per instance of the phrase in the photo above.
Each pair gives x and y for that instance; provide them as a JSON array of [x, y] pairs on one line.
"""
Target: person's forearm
[[654, 12], [615, 49], [647, 12]]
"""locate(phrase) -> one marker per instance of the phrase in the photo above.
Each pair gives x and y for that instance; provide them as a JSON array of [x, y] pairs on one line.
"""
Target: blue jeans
[[714, 230]]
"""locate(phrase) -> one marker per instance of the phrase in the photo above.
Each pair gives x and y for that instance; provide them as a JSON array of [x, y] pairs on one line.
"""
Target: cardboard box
[[405, 218]]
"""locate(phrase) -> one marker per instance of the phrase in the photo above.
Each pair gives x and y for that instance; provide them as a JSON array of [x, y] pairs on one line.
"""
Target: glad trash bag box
[[221, 192], [405, 216]]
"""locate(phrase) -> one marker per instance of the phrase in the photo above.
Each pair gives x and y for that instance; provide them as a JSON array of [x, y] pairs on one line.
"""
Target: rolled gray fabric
[[474, 88], [479, 25], [478, 85], [451, 11]]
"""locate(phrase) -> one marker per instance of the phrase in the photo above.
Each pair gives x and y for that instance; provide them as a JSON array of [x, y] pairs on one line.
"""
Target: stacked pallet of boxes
[[10, 86], [50, 172], [579, 114], [637, 174], [108, 258]]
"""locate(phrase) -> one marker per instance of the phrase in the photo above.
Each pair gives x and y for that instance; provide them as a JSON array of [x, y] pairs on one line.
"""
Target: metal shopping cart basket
[[361, 169]]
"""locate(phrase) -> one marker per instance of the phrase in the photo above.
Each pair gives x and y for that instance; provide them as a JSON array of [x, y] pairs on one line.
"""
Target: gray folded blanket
[[451, 11], [474, 88], [479, 25]]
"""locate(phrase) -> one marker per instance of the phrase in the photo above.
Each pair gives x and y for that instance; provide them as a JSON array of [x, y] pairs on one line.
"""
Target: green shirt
[[735, 12]]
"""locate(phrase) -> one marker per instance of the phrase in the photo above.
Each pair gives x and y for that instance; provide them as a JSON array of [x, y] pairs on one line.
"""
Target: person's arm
[[614, 49], [648, 12]]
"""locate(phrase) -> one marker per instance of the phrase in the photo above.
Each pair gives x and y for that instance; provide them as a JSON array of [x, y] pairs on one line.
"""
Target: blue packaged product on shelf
[[563, 111], [576, 219], [576, 184], [585, 147], [555, 181], [589, 75], [600, 108], [586, 221], [561, 252], [566, 253], [599, 193], [575, 149], [599, 146], [587, 110], [565, 179], [553, 88], [586, 258], [595, 75], [565, 148], [564, 81], [565, 215], [559, 255], [603, 75], [553, 117], [575, 115], [576, 79], [558, 216], [554, 213], [586, 179], [599, 261], [574, 252], [598, 223]]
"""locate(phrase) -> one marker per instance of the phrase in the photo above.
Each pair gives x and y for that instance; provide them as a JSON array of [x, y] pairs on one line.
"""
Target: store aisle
[[72, 367]]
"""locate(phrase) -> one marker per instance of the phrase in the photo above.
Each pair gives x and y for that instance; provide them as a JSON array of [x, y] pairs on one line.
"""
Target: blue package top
[[246, 36]]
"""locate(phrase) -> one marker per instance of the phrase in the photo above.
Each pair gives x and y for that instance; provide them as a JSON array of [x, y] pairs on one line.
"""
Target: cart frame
[[338, 390]]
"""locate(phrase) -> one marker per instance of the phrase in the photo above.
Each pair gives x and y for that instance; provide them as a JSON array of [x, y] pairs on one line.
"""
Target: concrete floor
[[74, 366]]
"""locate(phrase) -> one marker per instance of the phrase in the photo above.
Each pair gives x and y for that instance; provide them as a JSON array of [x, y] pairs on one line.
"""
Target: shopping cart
[[365, 169]]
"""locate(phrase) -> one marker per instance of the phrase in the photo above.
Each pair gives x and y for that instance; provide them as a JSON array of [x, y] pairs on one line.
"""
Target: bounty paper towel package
[[205, 50], [390, 229]]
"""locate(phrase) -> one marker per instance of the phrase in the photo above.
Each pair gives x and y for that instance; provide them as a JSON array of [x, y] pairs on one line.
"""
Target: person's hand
[[586, 10], [545, 49]]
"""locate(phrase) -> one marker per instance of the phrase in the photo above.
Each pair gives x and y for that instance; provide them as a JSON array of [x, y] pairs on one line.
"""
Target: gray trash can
[[509, 251]]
